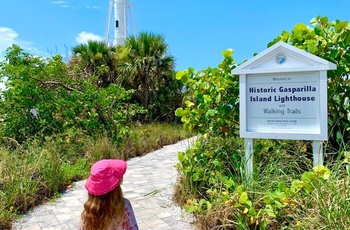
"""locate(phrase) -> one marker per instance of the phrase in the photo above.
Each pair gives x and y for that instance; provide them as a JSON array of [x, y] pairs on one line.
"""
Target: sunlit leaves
[[227, 53], [43, 98], [322, 171], [340, 26], [329, 40], [211, 99], [324, 20]]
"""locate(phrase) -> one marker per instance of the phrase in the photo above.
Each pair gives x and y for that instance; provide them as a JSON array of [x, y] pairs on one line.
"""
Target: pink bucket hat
[[105, 175]]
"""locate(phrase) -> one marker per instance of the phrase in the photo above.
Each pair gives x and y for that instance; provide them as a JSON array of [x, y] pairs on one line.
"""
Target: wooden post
[[317, 149], [248, 146]]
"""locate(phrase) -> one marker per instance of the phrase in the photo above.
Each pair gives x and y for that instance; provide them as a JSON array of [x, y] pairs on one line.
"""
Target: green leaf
[[189, 103], [249, 203], [181, 156], [202, 202], [347, 154], [334, 53], [322, 171], [229, 183], [299, 28], [189, 209], [218, 98], [196, 177], [341, 25], [296, 186], [191, 70], [179, 112], [252, 211], [318, 30], [285, 35], [227, 53], [269, 211], [347, 40], [207, 98], [199, 97], [308, 177], [208, 205], [184, 78], [314, 21], [239, 189], [243, 198], [210, 113], [180, 74], [312, 47], [324, 20], [203, 85]]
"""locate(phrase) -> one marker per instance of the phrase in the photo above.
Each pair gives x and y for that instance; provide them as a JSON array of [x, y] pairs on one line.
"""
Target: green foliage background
[[57, 117], [329, 40], [213, 183]]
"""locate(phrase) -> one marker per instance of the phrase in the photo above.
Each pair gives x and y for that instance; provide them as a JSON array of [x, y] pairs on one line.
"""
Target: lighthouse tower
[[117, 22]]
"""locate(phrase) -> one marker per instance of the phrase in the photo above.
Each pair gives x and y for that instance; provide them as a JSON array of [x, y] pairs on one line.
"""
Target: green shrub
[[284, 193], [329, 40]]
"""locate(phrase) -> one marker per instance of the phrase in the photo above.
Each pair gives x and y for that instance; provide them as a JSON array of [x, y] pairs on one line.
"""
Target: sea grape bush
[[211, 101], [213, 182], [329, 40], [272, 208], [42, 98]]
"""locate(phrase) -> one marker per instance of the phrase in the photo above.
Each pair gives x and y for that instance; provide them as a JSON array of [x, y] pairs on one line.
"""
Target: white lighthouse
[[117, 22]]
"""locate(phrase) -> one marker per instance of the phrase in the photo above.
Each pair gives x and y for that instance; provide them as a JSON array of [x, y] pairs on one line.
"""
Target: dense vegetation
[[57, 118], [286, 191]]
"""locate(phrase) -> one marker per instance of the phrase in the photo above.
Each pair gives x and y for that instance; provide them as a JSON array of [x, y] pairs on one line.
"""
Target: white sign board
[[277, 105], [283, 95]]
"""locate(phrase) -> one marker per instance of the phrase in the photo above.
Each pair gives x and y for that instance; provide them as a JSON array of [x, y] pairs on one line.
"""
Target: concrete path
[[148, 184]]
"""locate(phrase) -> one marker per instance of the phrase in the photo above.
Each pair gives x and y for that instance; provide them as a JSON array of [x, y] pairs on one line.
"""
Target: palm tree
[[144, 63], [96, 59]]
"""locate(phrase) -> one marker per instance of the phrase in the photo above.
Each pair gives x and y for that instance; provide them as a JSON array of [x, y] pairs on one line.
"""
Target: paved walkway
[[148, 184]]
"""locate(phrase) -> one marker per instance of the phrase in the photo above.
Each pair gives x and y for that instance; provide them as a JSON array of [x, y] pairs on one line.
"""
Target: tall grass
[[33, 173], [26, 178], [149, 137], [319, 203]]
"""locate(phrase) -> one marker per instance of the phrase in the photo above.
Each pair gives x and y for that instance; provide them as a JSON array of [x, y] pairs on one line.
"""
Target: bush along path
[[148, 183]]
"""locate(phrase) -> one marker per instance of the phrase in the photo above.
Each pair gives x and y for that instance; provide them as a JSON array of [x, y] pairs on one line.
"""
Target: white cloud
[[83, 37], [8, 37], [60, 3], [93, 7]]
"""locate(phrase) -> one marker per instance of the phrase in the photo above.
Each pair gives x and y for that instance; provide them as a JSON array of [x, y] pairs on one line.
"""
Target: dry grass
[[28, 176], [325, 206], [150, 137]]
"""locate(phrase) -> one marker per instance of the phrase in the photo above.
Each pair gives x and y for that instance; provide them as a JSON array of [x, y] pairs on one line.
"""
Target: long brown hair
[[100, 212]]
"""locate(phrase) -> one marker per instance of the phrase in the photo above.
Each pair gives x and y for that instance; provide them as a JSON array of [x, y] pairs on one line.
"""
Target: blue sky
[[196, 31]]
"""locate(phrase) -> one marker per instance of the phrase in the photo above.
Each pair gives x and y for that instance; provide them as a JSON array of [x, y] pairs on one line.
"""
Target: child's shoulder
[[127, 202]]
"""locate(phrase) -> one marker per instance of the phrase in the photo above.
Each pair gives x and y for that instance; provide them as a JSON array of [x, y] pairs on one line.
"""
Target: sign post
[[249, 153], [283, 95]]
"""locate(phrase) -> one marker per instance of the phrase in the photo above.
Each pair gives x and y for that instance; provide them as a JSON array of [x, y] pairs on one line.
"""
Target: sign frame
[[321, 134]]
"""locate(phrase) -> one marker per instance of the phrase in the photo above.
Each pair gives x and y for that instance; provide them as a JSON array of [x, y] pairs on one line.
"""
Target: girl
[[106, 208]]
